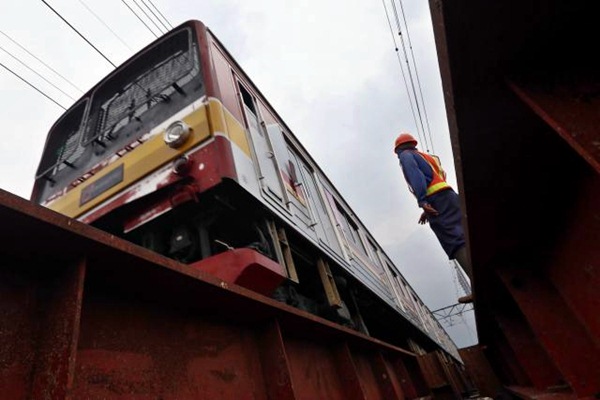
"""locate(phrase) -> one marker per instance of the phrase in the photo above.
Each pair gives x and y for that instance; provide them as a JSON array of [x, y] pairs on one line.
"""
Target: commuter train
[[177, 150]]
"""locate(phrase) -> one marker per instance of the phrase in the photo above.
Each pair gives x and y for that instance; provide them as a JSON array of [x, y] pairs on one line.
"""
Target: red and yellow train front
[[145, 143]]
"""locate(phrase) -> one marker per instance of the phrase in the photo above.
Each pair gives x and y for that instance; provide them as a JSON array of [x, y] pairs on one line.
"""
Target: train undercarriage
[[226, 219]]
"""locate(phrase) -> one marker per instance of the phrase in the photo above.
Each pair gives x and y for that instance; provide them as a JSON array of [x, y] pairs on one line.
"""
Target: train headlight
[[176, 134]]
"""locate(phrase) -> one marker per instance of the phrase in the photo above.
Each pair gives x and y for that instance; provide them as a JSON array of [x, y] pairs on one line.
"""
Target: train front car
[[178, 151]]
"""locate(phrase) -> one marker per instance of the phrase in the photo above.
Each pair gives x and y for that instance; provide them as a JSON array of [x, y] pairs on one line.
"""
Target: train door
[[268, 172], [290, 176], [323, 226]]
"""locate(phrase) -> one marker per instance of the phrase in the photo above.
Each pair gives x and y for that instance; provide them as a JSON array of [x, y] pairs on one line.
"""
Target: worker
[[427, 181]]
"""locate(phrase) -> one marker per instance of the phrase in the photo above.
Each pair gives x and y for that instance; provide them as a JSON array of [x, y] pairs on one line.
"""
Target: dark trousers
[[447, 226]]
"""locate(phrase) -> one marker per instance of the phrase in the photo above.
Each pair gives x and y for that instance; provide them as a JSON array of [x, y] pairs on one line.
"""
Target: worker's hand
[[423, 220], [429, 210]]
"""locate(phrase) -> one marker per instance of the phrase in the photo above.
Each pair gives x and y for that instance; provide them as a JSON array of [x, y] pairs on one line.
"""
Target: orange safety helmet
[[404, 138]]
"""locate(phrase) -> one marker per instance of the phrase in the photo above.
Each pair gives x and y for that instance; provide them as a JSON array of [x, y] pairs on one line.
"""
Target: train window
[[64, 144], [160, 79], [350, 229], [373, 254], [247, 99]]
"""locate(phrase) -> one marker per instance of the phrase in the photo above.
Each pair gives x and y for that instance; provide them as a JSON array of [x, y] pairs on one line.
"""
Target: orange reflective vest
[[438, 180]]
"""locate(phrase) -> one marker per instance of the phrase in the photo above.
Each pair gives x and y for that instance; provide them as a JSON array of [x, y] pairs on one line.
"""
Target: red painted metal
[[208, 167], [61, 302], [480, 371], [410, 378], [85, 315], [524, 127], [388, 379], [244, 267], [349, 377], [275, 363], [570, 107], [536, 363], [438, 378], [555, 325]]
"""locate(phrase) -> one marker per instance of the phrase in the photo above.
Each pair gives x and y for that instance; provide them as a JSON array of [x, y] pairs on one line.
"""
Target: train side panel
[[273, 166]]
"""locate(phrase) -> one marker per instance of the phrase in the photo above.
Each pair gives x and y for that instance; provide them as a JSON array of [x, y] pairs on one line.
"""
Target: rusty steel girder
[[86, 315]]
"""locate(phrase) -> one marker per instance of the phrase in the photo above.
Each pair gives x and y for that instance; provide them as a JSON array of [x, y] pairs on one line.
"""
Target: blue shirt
[[417, 172]]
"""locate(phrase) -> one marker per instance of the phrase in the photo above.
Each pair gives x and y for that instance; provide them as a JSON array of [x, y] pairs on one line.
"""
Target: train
[[178, 151]]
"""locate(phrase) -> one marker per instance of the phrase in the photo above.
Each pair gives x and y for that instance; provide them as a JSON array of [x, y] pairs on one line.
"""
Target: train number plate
[[100, 186]]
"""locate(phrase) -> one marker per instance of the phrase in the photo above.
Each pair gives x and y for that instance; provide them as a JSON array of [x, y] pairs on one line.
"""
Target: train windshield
[[130, 102], [157, 77]]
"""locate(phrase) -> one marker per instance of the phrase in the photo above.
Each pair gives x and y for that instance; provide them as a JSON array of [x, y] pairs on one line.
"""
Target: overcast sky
[[327, 66]]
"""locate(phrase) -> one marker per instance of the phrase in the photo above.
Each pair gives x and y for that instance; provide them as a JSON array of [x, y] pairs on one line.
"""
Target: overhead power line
[[33, 86], [155, 16], [410, 74], [76, 31], [37, 73], [105, 24], [412, 54], [161, 14], [43, 63], [140, 19], [147, 16], [410, 101]]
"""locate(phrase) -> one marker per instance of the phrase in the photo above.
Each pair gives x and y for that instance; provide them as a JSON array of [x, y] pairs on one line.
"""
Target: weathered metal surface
[[522, 98], [480, 371], [439, 378], [554, 324], [244, 267], [571, 107], [85, 315]]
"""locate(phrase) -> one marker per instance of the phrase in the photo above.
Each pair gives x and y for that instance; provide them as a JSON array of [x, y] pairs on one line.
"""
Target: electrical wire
[[410, 102], [105, 24], [410, 75], [149, 18], [35, 72], [155, 16], [416, 74], [138, 17], [83, 37], [33, 86], [161, 14], [46, 65]]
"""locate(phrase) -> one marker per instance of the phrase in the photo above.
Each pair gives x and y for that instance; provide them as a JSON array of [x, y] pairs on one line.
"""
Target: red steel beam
[[531, 356], [387, 378], [480, 370], [411, 378], [572, 108], [351, 380], [60, 299], [148, 327], [564, 338], [275, 364]]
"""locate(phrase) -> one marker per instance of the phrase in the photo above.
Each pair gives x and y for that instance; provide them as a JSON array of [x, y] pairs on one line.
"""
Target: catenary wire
[[417, 75], [410, 75], [161, 14], [155, 16], [138, 17], [37, 73], [83, 37], [410, 102], [41, 61], [148, 17], [33, 86], [105, 24]]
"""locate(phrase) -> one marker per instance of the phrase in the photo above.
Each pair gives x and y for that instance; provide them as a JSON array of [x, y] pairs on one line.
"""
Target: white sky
[[327, 66]]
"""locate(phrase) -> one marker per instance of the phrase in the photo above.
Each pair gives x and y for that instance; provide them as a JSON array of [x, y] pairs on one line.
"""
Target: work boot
[[466, 299]]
